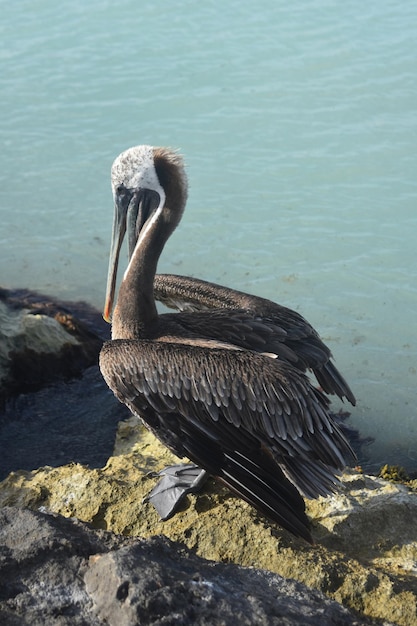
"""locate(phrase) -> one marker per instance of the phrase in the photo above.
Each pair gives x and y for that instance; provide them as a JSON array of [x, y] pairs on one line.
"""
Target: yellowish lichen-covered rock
[[366, 536]]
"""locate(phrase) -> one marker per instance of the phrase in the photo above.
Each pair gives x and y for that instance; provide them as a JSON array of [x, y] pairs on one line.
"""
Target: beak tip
[[107, 315]]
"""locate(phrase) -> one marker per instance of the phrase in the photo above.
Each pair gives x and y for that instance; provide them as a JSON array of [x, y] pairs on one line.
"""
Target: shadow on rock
[[54, 405], [66, 422]]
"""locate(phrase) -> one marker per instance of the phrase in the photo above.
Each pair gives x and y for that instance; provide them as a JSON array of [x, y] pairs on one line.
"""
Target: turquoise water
[[298, 122]]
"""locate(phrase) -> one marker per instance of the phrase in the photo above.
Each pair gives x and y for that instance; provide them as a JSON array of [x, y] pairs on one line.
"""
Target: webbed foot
[[176, 482]]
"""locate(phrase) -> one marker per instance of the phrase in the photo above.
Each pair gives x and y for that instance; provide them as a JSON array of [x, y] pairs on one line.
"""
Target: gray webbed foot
[[176, 482]]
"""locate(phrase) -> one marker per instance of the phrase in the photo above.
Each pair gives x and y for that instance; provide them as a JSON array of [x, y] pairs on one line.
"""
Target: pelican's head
[[149, 187]]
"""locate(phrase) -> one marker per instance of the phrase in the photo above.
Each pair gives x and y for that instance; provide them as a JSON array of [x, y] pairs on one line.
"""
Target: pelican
[[223, 385]]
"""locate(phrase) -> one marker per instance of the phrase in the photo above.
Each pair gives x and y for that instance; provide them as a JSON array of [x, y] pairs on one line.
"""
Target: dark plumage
[[272, 327], [224, 387]]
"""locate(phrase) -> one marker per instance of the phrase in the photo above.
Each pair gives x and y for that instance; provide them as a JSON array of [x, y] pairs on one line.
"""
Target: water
[[298, 122]]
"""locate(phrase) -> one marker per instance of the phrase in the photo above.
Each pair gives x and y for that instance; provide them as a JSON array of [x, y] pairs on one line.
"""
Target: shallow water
[[298, 123]]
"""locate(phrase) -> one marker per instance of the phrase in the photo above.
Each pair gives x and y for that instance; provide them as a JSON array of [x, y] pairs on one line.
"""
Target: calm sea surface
[[298, 123]]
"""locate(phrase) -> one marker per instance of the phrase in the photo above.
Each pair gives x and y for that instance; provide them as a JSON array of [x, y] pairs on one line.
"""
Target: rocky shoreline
[[76, 540]]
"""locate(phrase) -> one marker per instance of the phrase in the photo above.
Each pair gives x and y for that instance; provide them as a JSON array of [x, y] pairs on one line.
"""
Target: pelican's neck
[[135, 314]]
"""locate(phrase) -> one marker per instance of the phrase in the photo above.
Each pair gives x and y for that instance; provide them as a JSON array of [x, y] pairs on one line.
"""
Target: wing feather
[[261, 401], [253, 323]]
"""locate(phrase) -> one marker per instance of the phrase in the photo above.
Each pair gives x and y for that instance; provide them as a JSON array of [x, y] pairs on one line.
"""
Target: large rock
[[43, 340], [53, 399], [59, 571]]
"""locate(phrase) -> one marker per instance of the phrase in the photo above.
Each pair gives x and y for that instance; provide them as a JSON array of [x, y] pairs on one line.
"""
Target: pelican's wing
[[285, 331], [250, 420]]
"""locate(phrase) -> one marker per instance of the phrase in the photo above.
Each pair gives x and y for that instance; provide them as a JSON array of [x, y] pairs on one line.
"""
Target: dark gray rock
[[53, 400], [55, 570]]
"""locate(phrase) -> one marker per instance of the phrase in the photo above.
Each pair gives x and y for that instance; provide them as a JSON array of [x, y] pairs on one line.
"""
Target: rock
[[53, 400], [42, 340], [60, 571], [366, 536]]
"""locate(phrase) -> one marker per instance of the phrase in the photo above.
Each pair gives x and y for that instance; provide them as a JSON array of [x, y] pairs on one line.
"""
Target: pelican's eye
[[123, 194]]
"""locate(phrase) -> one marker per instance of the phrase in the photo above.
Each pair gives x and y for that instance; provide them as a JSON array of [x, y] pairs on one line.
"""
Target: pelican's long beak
[[118, 233], [132, 210]]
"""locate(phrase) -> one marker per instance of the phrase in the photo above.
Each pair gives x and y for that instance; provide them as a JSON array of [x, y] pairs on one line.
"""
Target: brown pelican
[[223, 387]]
